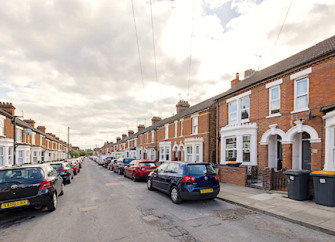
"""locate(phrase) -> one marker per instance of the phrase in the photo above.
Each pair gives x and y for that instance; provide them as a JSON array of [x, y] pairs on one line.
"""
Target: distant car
[[139, 169], [107, 161], [120, 164], [75, 166], [30, 186], [112, 164], [185, 181], [64, 170]]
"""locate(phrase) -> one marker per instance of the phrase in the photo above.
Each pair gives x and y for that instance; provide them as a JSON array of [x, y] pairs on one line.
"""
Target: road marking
[[112, 184], [88, 208]]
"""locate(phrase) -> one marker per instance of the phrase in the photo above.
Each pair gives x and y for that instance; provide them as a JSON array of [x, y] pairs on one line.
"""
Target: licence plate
[[14, 204], [206, 190], [150, 169]]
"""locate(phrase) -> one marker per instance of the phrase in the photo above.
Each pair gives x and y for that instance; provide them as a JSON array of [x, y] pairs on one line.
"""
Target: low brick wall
[[233, 175]]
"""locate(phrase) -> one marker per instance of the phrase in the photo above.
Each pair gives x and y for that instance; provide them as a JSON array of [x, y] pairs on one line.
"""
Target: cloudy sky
[[75, 62]]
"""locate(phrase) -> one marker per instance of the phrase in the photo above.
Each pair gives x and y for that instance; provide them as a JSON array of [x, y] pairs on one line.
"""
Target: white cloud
[[76, 64]]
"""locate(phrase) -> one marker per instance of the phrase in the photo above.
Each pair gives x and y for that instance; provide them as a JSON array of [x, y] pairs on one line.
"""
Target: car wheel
[[149, 185], [62, 191], [75, 173], [124, 173], [175, 196], [134, 177], [53, 205], [69, 180], [38, 207], [119, 172]]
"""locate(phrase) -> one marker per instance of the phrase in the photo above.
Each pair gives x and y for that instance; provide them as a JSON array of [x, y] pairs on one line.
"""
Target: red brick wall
[[233, 175]]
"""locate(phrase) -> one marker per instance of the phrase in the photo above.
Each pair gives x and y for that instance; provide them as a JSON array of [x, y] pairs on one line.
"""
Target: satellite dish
[[28, 131]]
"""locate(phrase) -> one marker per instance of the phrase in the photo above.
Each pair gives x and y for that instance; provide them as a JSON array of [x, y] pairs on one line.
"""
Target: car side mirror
[[156, 170]]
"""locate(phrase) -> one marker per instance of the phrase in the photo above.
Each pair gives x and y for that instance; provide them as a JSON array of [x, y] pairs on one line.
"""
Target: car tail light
[[63, 171], [188, 179], [45, 184], [216, 177], [122, 164]]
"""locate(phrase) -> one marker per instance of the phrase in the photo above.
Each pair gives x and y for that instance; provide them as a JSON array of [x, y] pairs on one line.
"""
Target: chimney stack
[[41, 128], [155, 119], [124, 136], [7, 107], [130, 132], [140, 127], [118, 139], [182, 105], [236, 80], [30, 122]]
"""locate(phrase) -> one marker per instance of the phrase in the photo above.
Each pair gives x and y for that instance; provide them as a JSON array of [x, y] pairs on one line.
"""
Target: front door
[[306, 155], [279, 155]]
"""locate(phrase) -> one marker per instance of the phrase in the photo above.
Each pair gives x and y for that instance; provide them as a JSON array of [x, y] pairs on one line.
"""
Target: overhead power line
[[139, 54], [153, 43], [281, 28], [190, 63]]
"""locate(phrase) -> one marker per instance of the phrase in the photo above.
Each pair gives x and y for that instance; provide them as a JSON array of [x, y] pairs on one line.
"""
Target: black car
[[107, 161], [64, 169], [185, 181], [30, 186], [120, 164]]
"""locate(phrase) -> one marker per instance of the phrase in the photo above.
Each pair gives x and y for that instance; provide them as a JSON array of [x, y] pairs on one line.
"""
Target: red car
[[75, 166], [139, 169], [111, 164]]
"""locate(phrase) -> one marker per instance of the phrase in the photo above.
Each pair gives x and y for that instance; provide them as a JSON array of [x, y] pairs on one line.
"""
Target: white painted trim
[[300, 110], [274, 83], [301, 73], [195, 115], [274, 115], [238, 96]]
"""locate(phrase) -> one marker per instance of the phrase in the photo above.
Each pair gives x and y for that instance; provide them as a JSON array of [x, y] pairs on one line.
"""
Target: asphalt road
[[100, 205]]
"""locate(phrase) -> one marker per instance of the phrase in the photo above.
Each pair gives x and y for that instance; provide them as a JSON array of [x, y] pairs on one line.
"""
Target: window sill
[[274, 115], [195, 134], [300, 110], [245, 121]]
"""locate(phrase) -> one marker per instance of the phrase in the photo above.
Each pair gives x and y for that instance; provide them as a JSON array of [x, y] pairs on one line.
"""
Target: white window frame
[[230, 149], [197, 153], [181, 128], [246, 148], [35, 157], [176, 129], [235, 112], [152, 136], [166, 126], [20, 158], [188, 154], [41, 140], [1, 156], [33, 138], [2, 126], [19, 137], [274, 100], [296, 96], [238, 105], [164, 150], [195, 125]]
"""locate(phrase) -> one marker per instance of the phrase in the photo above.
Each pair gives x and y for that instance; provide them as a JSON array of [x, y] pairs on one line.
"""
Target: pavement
[[305, 213], [100, 205]]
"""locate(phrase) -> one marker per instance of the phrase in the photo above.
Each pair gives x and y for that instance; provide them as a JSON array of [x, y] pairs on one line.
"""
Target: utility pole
[[14, 139], [68, 142]]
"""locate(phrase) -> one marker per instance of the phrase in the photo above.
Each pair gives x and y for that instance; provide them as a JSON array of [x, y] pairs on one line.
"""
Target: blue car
[[185, 181]]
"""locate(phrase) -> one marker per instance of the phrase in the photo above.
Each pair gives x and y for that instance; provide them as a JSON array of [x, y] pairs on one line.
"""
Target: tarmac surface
[[100, 205]]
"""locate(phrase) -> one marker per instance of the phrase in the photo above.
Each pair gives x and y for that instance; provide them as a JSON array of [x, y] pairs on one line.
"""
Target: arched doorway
[[301, 151], [175, 153], [275, 152]]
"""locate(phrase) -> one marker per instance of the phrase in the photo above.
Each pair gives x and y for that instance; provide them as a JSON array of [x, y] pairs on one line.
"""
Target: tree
[[89, 152], [82, 152], [74, 154]]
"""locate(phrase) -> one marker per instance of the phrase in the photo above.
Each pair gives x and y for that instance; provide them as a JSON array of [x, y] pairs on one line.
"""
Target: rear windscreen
[[127, 161], [20, 175], [199, 169], [57, 166], [151, 164]]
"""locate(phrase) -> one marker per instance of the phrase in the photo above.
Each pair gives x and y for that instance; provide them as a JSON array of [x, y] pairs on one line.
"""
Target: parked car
[[139, 169], [30, 186], [75, 166], [112, 164], [120, 164], [185, 181], [79, 161], [107, 161], [64, 170]]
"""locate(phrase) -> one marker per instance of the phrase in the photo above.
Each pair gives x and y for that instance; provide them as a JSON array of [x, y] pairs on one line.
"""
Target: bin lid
[[323, 173], [296, 172]]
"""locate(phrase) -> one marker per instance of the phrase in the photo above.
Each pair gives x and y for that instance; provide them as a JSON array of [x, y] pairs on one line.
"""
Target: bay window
[[35, 156], [20, 157], [10, 152], [195, 125], [27, 156], [165, 151], [162, 153], [231, 149], [189, 153], [246, 148], [1, 156], [197, 153]]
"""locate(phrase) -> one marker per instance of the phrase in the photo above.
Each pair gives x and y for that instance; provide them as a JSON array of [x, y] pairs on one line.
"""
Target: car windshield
[[20, 175], [199, 169], [57, 166], [127, 161], [151, 164]]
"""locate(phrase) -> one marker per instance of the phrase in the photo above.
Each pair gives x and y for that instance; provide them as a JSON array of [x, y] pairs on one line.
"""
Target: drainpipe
[[218, 133]]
